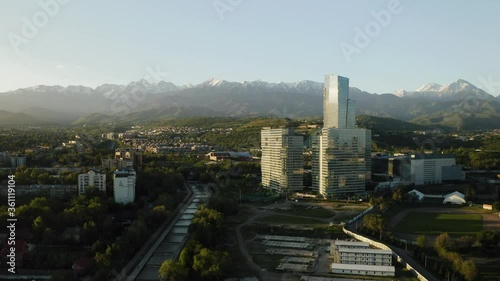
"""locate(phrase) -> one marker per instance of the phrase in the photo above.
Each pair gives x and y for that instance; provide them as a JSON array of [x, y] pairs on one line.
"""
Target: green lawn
[[282, 219], [308, 211], [434, 223]]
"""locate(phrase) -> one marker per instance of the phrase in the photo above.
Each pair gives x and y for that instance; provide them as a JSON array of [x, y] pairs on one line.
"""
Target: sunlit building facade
[[282, 160]]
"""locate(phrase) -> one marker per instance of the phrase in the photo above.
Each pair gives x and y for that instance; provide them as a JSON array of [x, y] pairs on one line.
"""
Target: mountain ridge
[[459, 104]]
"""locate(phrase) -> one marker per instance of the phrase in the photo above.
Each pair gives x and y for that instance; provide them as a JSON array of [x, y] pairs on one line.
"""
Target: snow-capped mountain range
[[460, 89], [142, 100]]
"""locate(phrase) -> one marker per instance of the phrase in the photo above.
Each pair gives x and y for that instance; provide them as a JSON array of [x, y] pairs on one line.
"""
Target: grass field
[[282, 219], [434, 223], [307, 211]]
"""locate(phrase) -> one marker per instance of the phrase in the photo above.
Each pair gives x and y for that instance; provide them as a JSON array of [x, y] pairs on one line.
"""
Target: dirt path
[[262, 273]]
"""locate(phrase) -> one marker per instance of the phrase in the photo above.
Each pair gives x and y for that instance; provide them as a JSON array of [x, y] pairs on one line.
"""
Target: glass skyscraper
[[341, 160], [338, 109]]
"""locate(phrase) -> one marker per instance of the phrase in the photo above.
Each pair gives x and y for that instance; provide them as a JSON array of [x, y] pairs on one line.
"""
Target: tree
[[398, 194], [443, 241], [496, 206], [374, 223], [489, 238], [171, 270], [206, 226], [192, 248], [105, 258], [421, 241], [468, 270], [210, 264]]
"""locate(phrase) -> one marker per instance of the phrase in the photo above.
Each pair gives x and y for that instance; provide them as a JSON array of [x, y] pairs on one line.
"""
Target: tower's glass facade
[[341, 153]]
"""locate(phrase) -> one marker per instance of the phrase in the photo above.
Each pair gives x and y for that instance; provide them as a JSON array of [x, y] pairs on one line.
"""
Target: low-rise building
[[428, 168], [353, 252], [353, 257], [363, 256], [16, 161]]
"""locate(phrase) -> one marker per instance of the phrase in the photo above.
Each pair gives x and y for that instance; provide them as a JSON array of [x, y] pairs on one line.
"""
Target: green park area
[[436, 223], [282, 219]]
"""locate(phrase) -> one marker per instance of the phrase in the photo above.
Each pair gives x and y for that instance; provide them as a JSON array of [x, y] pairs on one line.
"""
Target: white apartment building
[[352, 257], [282, 160], [92, 178], [124, 186], [354, 252], [366, 256]]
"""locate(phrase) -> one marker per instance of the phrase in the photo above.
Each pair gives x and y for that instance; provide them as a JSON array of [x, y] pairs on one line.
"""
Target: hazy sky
[[91, 42]]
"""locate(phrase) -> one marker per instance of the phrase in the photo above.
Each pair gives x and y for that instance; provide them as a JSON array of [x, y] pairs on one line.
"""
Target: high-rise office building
[[124, 186], [341, 161], [282, 160], [338, 109]]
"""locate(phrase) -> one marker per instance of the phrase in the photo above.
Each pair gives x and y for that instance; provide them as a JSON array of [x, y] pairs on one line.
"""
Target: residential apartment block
[[282, 160], [124, 186], [92, 178]]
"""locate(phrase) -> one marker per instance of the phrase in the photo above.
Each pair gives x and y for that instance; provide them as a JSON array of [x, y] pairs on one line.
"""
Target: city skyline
[[404, 42]]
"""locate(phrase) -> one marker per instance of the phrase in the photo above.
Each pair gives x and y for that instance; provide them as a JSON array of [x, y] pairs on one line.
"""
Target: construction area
[[296, 254]]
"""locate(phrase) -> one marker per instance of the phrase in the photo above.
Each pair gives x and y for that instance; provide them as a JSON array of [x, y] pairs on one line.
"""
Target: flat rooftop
[[340, 243]]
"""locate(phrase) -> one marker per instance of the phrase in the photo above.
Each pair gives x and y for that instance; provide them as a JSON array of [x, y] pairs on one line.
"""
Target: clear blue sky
[[90, 42]]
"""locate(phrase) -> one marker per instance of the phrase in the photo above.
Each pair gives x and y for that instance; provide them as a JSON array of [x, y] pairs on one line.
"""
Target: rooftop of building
[[363, 251], [124, 172], [340, 243], [431, 156]]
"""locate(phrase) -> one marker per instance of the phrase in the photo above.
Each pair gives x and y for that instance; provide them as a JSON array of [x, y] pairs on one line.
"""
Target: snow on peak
[[400, 93], [213, 82], [431, 87]]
